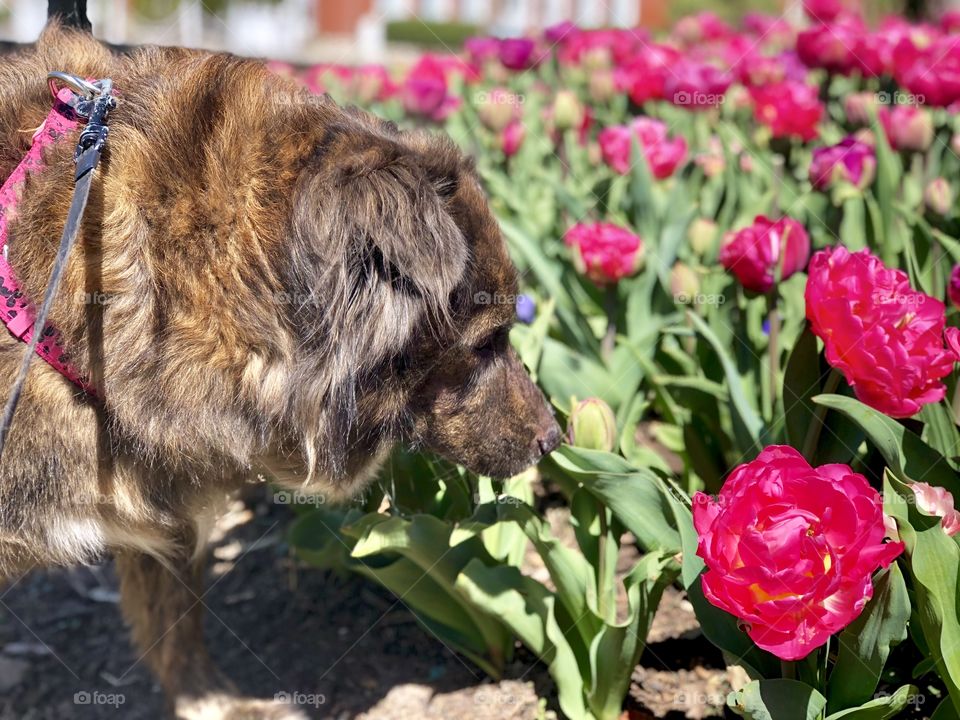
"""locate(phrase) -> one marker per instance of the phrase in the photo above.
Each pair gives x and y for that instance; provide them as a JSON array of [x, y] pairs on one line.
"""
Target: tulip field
[[740, 259]]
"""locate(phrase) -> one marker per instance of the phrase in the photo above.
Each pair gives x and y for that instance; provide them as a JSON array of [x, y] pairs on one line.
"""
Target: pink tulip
[[663, 154], [703, 27], [953, 287], [425, 92], [790, 549], [696, 85], [825, 11], [930, 72], [604, 252], [757, 254], [833, 46], [907, 127], [518, 53], [884, 336], [937, 501], [644, 75], [789, 109], [511, 137], [849, 161]]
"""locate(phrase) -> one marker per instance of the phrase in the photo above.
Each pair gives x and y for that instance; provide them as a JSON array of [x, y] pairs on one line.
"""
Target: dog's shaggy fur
[[263, 280]]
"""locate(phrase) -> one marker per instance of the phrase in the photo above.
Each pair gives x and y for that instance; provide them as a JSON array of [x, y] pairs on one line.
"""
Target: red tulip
[[789, 109], [756, 255], [884, 336], [791, 549], [604, 252], [663, 154]]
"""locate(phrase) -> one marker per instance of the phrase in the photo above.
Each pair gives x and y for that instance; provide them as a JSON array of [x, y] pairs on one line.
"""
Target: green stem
[[813, 432], [773, 348], [788, 669], [602, 562], [610, 339]]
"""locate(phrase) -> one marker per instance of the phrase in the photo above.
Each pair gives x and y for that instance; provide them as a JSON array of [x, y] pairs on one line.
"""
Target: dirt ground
[[346, 646]]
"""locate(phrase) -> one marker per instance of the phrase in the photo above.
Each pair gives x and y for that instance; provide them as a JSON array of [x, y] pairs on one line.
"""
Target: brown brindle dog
[[263, 280]]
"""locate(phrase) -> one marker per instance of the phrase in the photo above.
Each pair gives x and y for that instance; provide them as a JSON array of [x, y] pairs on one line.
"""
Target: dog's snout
[[549, 440]]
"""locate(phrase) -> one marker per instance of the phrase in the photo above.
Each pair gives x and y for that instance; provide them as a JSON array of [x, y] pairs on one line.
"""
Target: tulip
[[953, 286], [684, 283], [593, 426], [788, 109], [518, 53], [790, 549], [602, 86], [696, 85], [938, 196], [826, 11], [568, 111], [849, 161], [937, 501], [884, 336], [702, 235], [497, 109], [857, 107], [424, 90], [663, 154], [511, 138], [604, 252], [907, 127], [832, 46], [758, 254]]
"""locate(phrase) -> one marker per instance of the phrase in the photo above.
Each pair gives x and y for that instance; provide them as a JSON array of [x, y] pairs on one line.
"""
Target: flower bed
[[742, 241]]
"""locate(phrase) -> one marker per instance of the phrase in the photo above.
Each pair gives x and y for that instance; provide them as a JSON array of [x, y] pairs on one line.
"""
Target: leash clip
[[80, 86]]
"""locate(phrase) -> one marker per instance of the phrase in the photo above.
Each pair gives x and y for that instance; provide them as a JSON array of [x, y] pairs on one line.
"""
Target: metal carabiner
[[80, 86]]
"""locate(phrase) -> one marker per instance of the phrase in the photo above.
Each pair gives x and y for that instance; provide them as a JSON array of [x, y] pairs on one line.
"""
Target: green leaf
[[637, 497], [777, 700], [906, 454], [528, 609], [865, 643], [747, 422], [801, 381], [881, 708]]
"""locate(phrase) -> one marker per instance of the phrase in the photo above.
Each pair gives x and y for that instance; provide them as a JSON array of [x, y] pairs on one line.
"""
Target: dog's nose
[[549, 440]]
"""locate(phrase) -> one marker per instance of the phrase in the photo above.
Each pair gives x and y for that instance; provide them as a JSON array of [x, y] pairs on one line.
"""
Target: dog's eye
[[493, 343]]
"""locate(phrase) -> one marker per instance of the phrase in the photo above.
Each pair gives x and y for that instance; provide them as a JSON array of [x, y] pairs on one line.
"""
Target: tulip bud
[[953, 286], [597, 58], [602, 86], [858, 105], [496, 109], [684, 283], [512, 138], [567, 110], [955, 144], [908, 127], [938, 196], [702, 235], [592, 425]]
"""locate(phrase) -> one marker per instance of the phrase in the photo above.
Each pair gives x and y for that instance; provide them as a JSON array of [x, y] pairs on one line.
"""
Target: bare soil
[[345, 644]]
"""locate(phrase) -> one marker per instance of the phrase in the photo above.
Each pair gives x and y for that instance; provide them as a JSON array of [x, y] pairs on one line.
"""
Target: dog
[[264, 281]]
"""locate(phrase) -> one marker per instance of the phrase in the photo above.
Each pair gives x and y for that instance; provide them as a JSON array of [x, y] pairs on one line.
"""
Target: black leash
[[95, 102]]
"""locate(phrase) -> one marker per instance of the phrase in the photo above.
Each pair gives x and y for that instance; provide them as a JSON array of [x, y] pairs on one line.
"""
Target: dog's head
[[415, 291]]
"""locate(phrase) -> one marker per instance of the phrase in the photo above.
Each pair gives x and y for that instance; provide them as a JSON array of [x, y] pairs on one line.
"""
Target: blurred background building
[[351, 31]]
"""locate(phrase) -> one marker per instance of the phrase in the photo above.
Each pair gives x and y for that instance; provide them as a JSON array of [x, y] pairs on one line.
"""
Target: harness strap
[[16, 310], [96, 102]]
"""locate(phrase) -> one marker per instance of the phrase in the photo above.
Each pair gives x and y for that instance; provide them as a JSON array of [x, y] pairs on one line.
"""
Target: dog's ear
[[391, 218]]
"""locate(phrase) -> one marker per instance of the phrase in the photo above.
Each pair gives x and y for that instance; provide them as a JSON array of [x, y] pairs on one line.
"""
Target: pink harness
[[16, 311]]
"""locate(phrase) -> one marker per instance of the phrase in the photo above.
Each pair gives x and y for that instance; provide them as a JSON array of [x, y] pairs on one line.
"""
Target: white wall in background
[[27, 18]]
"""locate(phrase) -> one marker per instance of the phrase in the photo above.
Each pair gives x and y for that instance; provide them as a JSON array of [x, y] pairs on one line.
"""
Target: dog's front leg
[[163, 604]]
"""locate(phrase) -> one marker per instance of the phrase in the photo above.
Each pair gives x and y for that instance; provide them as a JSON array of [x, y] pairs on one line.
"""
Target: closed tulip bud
[[598, 58], [955, 144], [938, 196], [702, 235], [567, 110], [858, 105], [907, 127], [602, 86], [512, 138], [496, 109], [684, 283], [593, 426]]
